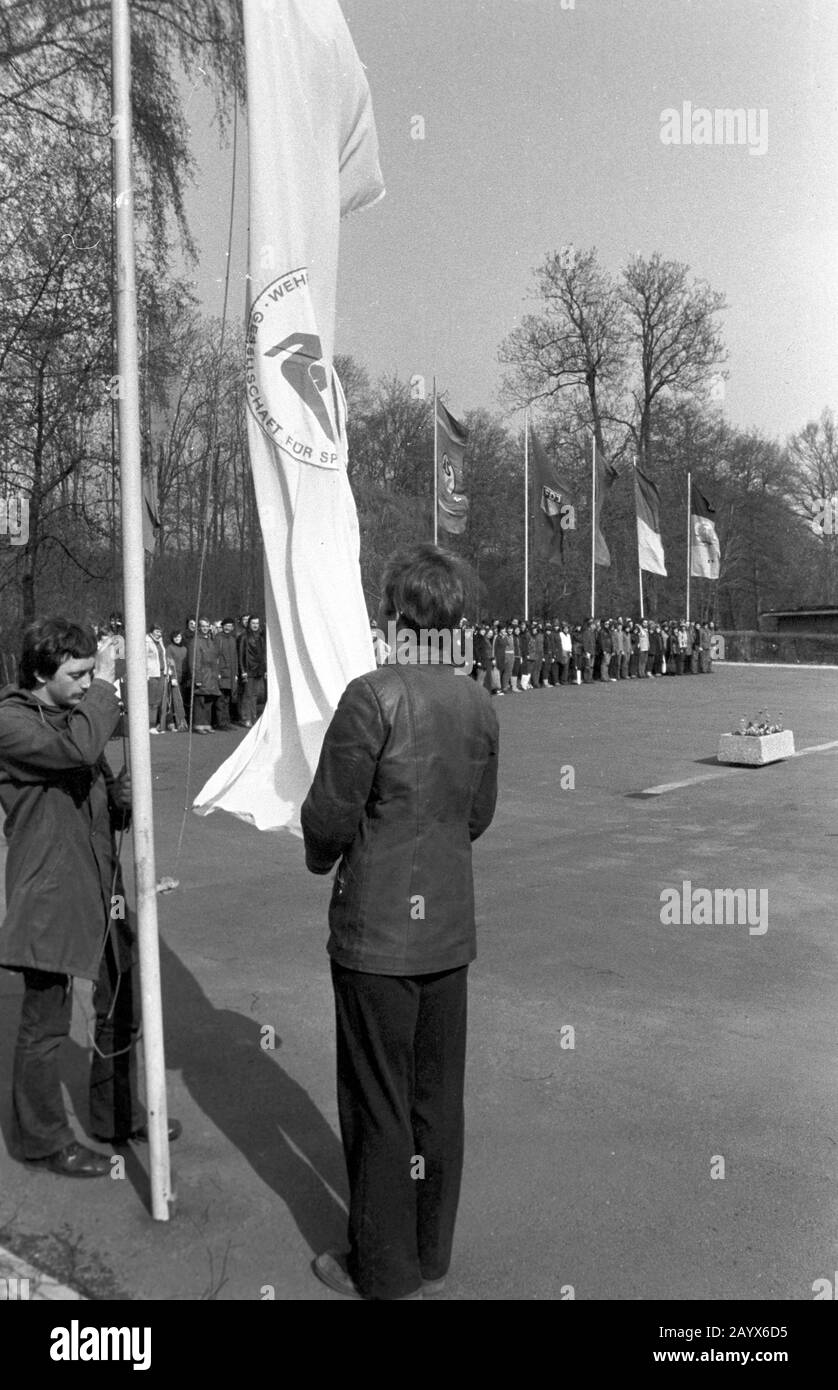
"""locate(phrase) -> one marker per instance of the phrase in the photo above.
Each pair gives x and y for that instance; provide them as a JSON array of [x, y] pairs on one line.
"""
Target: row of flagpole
[[647, 502]]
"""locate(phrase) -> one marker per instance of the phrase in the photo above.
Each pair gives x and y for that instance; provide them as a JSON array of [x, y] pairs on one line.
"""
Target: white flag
[[705, 552], [313, 158]]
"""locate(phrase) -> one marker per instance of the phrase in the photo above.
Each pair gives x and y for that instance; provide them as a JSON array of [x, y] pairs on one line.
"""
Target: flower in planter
[[761, 726]]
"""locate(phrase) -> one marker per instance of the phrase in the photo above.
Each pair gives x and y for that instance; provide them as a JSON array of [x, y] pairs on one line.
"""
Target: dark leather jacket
[[407, 778], [483, 651]]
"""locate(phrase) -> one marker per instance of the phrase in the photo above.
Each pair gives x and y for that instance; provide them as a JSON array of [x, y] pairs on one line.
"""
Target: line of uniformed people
[[517, 655]]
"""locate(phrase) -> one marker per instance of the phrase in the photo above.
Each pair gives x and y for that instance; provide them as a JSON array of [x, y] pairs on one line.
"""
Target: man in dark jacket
[[589, 647], [483, 657], [228, 670], [407, 779], [252, 672], [525, 644], [203, 671], [64, 895], [537, 656], [605, 650]]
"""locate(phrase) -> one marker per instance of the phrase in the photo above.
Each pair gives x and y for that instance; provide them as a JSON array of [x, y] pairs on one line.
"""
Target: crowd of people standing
[[517, 655], [213, 672]]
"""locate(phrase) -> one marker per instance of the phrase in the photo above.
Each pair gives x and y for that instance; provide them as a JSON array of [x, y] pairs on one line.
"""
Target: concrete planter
[[750, 751]]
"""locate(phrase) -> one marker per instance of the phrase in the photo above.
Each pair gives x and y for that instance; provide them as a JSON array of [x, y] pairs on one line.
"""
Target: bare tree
[[814, 450], [677, 341], [576, 346]]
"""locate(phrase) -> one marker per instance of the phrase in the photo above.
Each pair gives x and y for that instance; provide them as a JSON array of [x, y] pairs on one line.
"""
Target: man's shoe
[[432, 1286], [331, 1270], [76, 1161], [139, 1135]]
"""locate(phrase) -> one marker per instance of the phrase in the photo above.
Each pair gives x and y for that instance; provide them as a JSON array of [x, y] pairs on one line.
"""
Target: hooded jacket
[[61, 869], [407, 778]]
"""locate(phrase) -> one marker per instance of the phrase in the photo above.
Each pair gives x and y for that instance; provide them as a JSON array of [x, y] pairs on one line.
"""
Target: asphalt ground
[[592, 1167]]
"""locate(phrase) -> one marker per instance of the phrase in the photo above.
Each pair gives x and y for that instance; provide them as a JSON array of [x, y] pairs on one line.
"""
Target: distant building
[[799, 620]]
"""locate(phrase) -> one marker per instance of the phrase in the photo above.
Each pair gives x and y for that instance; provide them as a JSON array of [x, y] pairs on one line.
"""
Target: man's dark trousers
[[222, 708], [401, 1047], [44, 1024]]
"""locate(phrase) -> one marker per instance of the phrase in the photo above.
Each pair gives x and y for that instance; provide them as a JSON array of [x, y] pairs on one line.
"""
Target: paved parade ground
[[651, 1109]]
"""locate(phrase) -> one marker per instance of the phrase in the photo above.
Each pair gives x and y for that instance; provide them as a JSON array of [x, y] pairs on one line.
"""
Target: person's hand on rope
[[104, 667], [121, 790]]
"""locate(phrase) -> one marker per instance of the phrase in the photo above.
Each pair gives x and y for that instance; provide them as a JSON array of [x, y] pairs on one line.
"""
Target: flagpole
[[526, 515], [593, 526], [689, 541], [639, 569], [436, 476], [135, 618]]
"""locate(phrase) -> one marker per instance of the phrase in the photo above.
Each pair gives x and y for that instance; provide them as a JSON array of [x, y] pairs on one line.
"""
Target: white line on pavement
[[673, 786], [729, 767], [781, 665], [816, 748]]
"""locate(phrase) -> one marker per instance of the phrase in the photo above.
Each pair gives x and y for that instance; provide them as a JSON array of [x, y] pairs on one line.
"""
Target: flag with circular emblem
[[452, 502], [313, 159]]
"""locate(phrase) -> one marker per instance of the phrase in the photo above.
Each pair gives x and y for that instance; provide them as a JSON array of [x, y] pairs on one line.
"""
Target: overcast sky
[[543, 129]]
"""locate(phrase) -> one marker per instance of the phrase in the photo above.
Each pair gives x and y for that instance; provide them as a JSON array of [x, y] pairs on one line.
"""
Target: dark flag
[[552, 495], [151, 511], [452, 503], [606, 477]]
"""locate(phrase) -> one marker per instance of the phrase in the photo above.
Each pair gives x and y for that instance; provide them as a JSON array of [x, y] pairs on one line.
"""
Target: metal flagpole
[[436, 476], [135, 617], [593, 526], [639, 570], [526, 515], [689, 541]]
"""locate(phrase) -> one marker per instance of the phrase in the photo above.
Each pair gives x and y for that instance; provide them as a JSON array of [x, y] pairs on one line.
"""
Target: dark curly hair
[[48, 643]]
